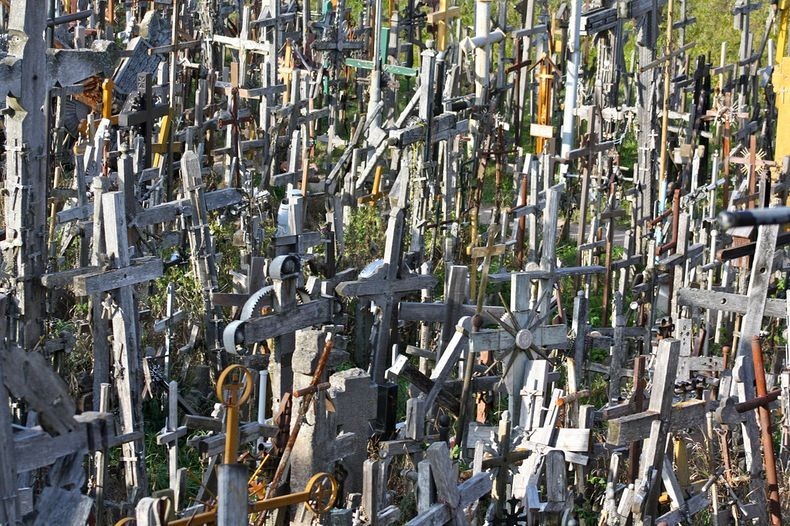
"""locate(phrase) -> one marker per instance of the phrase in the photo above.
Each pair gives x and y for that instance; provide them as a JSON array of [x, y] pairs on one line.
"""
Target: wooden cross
[[453, 498], [390, 282], [659, 416], [481, 44], [146, 116], [203, 257], [755, 307], [233, 119], [501, 462], [485, 253], [169, 436], [172, 317], [121, 306], [27, 175], [243, 45], [440, 19], [32, 448], [525, 328]]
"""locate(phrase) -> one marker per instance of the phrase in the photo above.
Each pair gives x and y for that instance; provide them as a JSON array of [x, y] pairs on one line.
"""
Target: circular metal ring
[[223, 377], [283, 266], [322, 488]]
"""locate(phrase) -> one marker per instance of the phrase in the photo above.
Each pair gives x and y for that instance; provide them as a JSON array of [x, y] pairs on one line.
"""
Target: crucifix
[[146, 116], [481, 44], [166, 324], [242, 44], [440, 19]]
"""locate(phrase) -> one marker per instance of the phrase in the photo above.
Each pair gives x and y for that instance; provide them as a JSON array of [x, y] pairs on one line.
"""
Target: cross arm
[[630, 428], [403, 369], [383, 287], [729, 302], [278, 324]]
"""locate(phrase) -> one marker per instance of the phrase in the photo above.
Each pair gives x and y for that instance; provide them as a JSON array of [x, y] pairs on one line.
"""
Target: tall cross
[[26, 131]]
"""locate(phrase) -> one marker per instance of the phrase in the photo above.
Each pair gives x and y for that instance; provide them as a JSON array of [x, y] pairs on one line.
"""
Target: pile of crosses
[[544, 334]]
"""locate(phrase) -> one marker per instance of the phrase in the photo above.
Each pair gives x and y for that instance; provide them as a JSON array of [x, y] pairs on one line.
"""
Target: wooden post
[[101, 330], [10, 512], [26, 180], [101, 459], [655, 447], [203, 258], [232, 493], [125, 347]]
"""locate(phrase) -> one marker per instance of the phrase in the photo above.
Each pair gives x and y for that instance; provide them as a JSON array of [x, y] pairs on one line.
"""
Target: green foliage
[[364, 238], [597, 355], [156, 456], [715, 25], [599, 391], [628, 150], [223, 233], [596, 487]]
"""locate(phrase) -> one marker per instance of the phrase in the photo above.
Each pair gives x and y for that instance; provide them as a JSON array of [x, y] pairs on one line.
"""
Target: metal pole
[[769, 461], [571, 81]]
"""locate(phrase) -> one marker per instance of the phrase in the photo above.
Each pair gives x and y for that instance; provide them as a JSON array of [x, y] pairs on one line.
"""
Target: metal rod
[[778, 215], [769, 461]]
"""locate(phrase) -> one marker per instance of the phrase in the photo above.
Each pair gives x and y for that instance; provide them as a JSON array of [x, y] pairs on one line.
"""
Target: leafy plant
[[365, 237]]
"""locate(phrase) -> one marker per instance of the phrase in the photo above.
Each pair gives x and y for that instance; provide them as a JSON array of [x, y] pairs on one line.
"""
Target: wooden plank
[[445, 476], [383, 287], [661, 405], [729, 302], [28, 375], [8, 467], [171, 211], [281, 323], [551, 336], [564, 439], [62, 507], [141, 271], [474, 488], [66, 278], [437, 515], [449, 357], [34, 448], [435, 312], [556, 482], [624, 430], [249, 432], [751, 324], [559, 273]]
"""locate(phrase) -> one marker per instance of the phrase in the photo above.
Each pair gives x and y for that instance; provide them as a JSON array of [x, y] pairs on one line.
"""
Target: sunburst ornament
[[726, 113], [760, 166]]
